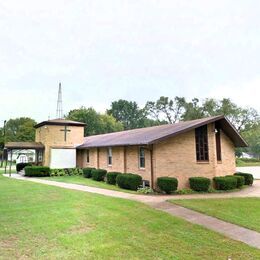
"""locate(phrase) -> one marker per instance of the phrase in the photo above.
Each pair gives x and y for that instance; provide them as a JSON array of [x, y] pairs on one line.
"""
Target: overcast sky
[[104, 50]]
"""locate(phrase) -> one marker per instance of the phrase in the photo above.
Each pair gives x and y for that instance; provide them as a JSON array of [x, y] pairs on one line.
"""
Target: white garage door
[[63, 158]]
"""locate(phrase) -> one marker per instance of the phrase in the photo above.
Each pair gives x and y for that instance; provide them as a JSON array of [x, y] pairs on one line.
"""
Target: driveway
[[255, 170]]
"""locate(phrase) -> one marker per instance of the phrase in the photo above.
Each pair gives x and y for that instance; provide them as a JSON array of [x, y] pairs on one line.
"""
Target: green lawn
[[247, 163], [78, 179], [44, 222], [241, 211]]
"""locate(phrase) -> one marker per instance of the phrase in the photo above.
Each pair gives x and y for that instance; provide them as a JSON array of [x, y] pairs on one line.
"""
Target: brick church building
[[202, 147]]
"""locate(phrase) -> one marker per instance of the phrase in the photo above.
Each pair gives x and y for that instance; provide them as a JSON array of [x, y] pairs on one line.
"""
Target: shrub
[[167, 184], [111, 177], [98, 174], [57, 172], [240, 180], [20, 166], [37, 171], [225, 183], [87, 172], [199, 183], [129, 181], [66, 171], [145, 190], [249, 179]]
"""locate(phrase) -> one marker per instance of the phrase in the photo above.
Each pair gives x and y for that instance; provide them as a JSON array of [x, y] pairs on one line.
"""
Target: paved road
[[255, 170], [232, 231]]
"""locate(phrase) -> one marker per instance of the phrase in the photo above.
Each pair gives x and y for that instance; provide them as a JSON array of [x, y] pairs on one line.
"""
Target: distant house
[[203, 147]]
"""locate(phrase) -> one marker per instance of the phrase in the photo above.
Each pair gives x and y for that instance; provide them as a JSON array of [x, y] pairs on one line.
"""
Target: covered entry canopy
[[11, 146], [24, 145]]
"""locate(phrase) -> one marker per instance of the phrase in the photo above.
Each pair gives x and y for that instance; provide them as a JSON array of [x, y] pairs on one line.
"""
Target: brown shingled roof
[[60, 122], [150, 135]]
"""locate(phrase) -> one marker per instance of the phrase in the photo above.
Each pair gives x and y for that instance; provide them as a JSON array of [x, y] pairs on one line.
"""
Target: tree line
[[125, 115]]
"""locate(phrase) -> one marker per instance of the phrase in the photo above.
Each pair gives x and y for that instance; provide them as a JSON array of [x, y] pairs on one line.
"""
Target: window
[[109, 156], [87, 156], [218, 143], [202, 150], [40, 156], [141, 157]]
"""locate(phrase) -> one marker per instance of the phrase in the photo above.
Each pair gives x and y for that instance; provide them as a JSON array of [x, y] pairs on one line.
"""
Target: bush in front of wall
[[57, 172], [167, 184], [98, 174], [199, 183], [249, 178], [87, 172], [225, 183], [129, 181], [37, 171], [240, 180], [111, 177]]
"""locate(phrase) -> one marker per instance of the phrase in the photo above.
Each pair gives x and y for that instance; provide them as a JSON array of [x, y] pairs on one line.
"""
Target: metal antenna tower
[[59, 112]]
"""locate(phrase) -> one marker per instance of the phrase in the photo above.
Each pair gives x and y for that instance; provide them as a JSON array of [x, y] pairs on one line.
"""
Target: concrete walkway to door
[[159, 202]]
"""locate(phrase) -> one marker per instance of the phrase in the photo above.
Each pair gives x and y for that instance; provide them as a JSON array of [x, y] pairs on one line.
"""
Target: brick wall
[[52, 137]]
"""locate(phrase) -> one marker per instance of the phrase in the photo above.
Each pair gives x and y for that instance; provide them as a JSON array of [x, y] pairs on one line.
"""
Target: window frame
[[141, 157], [202, 144], [109, 156]]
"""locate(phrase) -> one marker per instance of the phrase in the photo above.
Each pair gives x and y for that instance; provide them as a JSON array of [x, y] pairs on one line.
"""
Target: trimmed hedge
[[240, 180], [87, 172], [66, 172], [21, 166], [167, 184], [249, 179], [225, 183], [98, 174], [129, 181], [199, 183], [37, 171], [111, 177]]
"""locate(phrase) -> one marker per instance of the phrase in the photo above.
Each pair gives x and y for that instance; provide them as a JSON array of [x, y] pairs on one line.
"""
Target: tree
[[192, 110], [238, 116], [252, 136], [96, 123], [165, 109], [130, 115], [18, 130]]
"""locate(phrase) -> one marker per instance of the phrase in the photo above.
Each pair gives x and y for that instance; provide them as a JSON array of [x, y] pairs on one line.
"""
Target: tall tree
[[129, 114], [19, 129], [252, 135], [165, 109], [192, 110], [96, 123]]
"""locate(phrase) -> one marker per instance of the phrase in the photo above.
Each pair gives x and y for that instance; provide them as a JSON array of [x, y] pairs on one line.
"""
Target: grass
[[44, 222], [2, 170], [79, 179], [240, 162], [241, 211]]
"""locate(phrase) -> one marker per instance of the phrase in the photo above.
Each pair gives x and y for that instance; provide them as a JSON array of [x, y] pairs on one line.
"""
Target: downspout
[[152, 167], [97, 157], [125, 160]]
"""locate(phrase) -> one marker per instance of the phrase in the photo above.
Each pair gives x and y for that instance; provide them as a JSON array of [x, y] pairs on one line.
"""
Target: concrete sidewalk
[[159, 202]]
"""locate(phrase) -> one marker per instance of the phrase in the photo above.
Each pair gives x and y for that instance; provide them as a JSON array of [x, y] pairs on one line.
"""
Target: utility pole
[[2, 156]]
